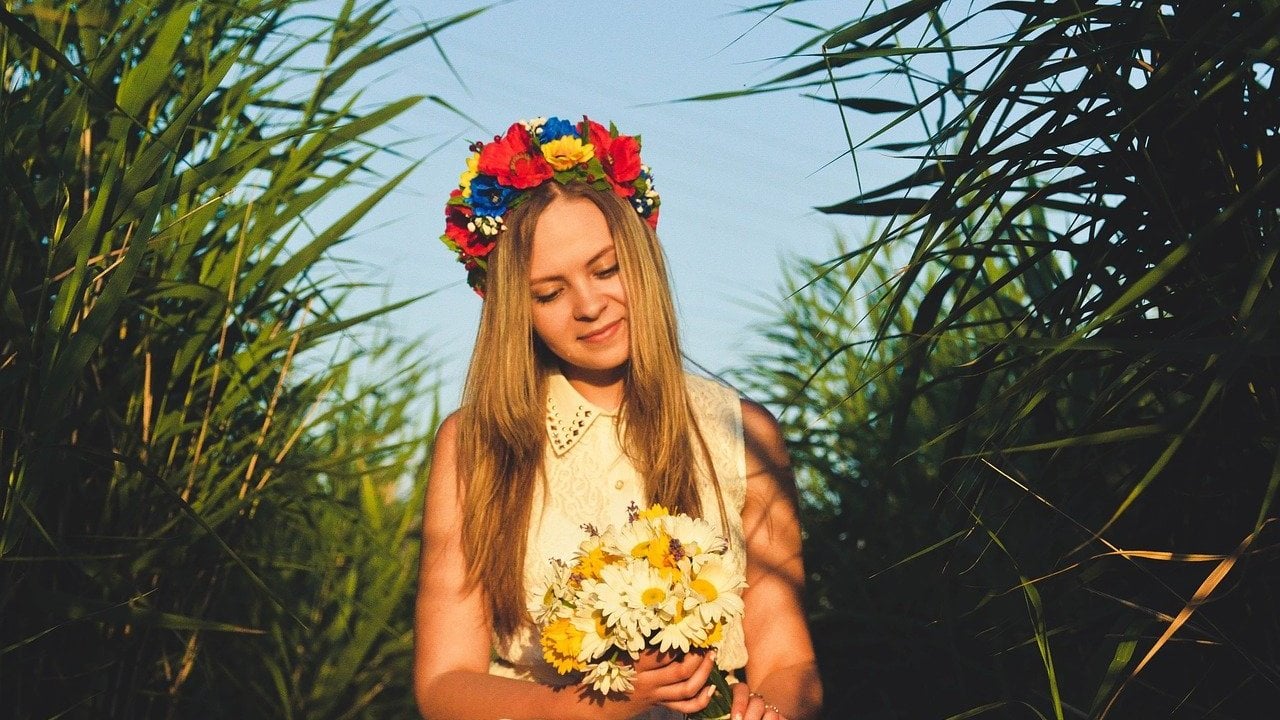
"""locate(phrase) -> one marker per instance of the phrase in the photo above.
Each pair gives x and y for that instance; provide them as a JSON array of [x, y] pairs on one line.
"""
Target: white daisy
[[684, 631], [554, 597], [596, 637], [610, 675], [627, 639], [716, 588], [636, 597], [697, 536]]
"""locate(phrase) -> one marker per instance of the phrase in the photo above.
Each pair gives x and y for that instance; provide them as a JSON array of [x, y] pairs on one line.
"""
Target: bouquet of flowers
[[661, 582]]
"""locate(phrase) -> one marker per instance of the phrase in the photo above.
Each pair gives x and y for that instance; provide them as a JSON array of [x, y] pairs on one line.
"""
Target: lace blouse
[[590, 480]]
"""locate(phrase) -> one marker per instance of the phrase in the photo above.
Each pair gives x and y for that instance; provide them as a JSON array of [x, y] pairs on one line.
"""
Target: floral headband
[[499, 175]]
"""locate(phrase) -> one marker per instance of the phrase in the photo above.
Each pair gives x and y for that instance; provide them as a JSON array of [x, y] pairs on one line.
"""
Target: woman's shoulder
[[702, 387], [768, 460], [758, 422], [444, 447], [447, 430], [759, 436], [756, 418]]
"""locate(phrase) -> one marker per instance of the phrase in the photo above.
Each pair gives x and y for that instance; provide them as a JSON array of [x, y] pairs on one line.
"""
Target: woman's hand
[[678, 682], [748, 705]]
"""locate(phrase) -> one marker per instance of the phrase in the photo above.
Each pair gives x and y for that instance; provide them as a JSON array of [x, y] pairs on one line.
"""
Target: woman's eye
[[544, 298], [608, 272]]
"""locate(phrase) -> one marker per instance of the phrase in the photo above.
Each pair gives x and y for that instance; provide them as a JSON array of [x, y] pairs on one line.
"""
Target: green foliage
[[1054, 420], [205, 512]]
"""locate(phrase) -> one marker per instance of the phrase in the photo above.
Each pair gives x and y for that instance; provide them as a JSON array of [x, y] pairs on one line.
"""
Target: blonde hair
[[502, 431]]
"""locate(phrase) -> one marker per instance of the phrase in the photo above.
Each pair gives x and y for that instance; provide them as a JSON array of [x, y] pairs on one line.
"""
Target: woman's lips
[[603, 334]]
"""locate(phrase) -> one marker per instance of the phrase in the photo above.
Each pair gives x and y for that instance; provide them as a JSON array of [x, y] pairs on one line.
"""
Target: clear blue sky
[[738, 178]]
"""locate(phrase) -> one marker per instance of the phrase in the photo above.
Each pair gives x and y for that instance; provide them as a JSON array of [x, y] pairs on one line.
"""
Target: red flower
[[597, 135], [652, 220], [479, 245], [513, 160], [622, 161], [456, 218], [620, 157], [475, 276]]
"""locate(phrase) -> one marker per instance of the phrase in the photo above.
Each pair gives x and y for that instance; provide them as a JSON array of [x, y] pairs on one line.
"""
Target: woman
[[576, 407]]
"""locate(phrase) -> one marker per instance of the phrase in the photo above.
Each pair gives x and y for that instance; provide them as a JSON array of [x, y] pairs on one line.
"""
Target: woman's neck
[[603, 388]]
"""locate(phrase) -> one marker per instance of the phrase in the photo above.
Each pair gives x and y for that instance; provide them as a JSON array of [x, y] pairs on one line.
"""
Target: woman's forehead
[[570, 233]]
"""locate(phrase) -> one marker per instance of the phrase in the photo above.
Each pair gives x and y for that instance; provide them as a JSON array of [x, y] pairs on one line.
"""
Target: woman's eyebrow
[[588, 263]]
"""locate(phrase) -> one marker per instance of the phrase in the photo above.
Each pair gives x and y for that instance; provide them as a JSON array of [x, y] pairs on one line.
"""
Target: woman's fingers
[[664, 667], [694, 684], [652, 660], [702, 673], [741, 697], [677, 682], [684, 678], [693, 704]]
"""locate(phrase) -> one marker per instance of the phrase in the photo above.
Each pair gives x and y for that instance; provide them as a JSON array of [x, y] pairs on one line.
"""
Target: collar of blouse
[[569, 415]]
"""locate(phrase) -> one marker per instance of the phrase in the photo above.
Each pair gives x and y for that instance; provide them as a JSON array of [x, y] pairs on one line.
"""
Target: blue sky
[[738, 178]]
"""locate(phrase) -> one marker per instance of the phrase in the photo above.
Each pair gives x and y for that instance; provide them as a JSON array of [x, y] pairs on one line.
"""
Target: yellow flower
[[592, 557], [561, 643], [713, 637], [567, 152], [655, 511], [705, 588], [657, 551], [473, 169]]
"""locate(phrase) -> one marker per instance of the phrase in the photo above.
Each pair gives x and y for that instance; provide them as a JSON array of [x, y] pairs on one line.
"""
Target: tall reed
[[200, 514], [1066, 395]]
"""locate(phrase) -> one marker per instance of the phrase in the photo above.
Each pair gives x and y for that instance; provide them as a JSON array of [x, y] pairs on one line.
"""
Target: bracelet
[[767, 706]]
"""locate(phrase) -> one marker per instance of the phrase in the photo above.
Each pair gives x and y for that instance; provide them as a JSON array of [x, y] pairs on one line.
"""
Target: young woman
[[575, 407]]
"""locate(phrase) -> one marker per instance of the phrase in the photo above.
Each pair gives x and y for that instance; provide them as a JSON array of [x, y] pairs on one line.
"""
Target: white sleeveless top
[[590, 480]]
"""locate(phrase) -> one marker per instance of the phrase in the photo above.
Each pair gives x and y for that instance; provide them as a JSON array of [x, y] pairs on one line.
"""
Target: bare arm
[[452, 632], [781, 668]]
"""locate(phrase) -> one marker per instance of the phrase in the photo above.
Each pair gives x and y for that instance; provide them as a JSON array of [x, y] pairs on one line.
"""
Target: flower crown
[[499, 175]]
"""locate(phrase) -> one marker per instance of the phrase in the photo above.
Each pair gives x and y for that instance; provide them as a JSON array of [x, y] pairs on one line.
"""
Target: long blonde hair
[[502, 432]]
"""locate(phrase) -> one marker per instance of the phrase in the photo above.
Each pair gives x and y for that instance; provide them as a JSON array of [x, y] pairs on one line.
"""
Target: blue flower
[[556, 128], [488, 198]]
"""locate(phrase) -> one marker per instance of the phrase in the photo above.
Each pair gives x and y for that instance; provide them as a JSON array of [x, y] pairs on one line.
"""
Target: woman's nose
[[589, 303]]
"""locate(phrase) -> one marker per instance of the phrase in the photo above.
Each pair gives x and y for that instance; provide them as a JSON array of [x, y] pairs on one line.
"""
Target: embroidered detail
[[564, 432]]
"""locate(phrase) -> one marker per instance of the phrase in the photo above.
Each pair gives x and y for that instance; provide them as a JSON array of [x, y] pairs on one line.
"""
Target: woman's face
[[578, 300]]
